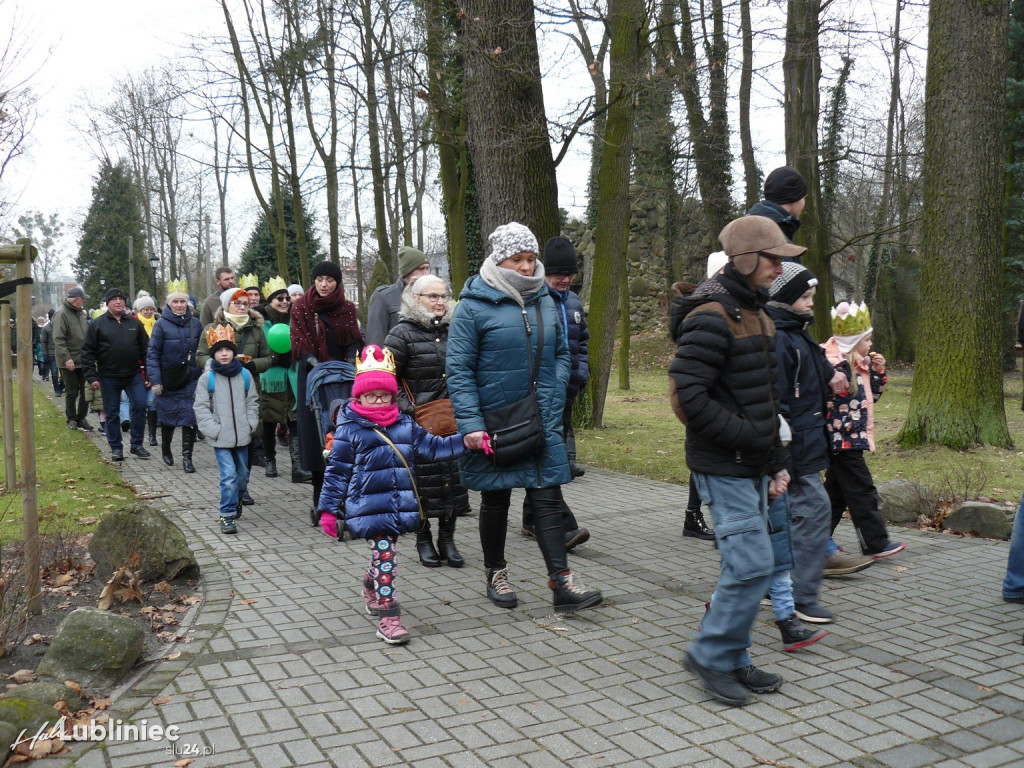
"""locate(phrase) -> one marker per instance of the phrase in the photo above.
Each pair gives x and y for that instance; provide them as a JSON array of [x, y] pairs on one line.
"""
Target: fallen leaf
[[171, 656], [73, 686], [88, 520], [163, 588], [985, 688], [161, 700], [36, 638], [184, 762], [102, 703], [23, 676], [900, 568], [247, 602]]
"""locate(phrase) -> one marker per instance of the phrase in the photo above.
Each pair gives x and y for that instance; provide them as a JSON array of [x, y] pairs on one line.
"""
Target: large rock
[[140, 529], [45, 692], [24, 715], [903, 501], [94, 648], [989, 521]]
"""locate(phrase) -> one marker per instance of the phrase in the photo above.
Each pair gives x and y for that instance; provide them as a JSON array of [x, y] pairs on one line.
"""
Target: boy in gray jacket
[[227, 409]]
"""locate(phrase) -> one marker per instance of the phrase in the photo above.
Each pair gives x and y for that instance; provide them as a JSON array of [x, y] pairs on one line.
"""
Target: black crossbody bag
[[516, 430]]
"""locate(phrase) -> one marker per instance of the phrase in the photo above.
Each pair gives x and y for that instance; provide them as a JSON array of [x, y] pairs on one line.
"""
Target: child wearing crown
[[850, 419], [370, 479], [227, 408]]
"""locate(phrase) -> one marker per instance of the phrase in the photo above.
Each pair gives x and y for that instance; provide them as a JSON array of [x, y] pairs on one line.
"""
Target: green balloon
[[279, 338]]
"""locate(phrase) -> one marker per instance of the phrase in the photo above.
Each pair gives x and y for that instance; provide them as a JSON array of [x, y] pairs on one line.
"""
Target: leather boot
[[166, 434], [575, 469], [188, 440], [299, 475], [151, 423], [271, 467], [425, 547], [446, 542], [696, 527]]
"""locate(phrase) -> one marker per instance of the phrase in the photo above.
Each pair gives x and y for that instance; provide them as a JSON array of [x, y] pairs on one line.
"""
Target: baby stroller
[[327, 383]]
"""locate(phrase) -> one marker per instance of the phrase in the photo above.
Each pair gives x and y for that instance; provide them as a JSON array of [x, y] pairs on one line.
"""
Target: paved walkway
[[924, 668]]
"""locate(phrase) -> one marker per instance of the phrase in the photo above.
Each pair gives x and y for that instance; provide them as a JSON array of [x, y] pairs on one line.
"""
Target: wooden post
[[7, 397], [27, 432]]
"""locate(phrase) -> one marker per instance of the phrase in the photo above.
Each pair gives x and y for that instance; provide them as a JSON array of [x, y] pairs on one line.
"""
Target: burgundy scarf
[[308, 337]]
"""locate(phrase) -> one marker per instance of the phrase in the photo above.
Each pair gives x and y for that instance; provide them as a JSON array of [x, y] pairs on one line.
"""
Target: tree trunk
[[508, 132], [368, 65], [751, 175], [801, 67], [626, 19], [625, 329], [957, 397]]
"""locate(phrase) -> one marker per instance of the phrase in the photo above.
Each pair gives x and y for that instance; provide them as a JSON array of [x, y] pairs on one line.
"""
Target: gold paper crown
[[273, 285], [245, 282], [368, 361], [849, 319], [177, 286], [217, 333]]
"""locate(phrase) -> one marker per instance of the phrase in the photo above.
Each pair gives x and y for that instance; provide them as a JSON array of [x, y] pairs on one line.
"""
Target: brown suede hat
[[747, 236]]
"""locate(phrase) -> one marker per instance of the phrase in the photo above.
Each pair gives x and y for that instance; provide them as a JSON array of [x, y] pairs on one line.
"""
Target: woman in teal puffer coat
[[488, 367]]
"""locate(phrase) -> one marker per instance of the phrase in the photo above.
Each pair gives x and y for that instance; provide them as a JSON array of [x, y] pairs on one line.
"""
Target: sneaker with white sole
[[890, 549], [391, 631], [813, 613]]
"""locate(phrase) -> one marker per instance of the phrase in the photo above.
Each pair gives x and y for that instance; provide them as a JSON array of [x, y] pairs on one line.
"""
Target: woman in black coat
[[419, 342]]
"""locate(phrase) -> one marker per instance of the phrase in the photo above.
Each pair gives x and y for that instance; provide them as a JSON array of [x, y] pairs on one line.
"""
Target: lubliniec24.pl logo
[[49, 739]]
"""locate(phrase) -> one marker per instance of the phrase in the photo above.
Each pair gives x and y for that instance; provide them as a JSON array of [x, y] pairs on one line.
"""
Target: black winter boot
[[166, 435], [570, 595], [299, 475], [696, 527], [425, 547], [272, 467], [795, 635], [256, 456], [188, 440], [446, 542], [151, 423], [575, 469]]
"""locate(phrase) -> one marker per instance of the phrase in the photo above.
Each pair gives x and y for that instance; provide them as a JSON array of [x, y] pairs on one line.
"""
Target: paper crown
[[249, 281], [374, 358], [218, 333], [272, 286], [177, 286], [850, 319]]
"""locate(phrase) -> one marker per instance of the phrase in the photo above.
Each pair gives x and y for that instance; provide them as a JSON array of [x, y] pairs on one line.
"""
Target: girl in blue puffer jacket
[[369, 478]]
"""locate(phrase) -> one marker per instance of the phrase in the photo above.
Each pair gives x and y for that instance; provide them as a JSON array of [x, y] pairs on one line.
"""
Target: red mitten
[[329, 524]]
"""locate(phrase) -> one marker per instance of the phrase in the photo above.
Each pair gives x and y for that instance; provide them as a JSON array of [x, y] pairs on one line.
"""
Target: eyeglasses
[[433, 297], [282, 298], [240, 304], [387, 397]]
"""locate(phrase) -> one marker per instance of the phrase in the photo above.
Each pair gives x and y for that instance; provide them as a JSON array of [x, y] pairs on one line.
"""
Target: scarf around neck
[[335, 311], [383, 415], [239, 321], [230, 369], [511, 283]]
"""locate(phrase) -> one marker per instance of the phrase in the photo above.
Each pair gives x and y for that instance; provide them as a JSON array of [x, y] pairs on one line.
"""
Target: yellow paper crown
[[850, 319], [273, 285], [368, 360], [245, 282], [177, 286], [217, 333]]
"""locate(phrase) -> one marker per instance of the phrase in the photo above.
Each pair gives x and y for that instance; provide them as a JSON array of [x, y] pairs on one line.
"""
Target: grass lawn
[[73, 481], [643, 437]]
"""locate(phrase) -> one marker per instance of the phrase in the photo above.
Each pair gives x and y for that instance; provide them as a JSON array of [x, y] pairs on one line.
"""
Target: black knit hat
[[328, 268], [785, 185], [794, 282], [114, 293], [560, 257]]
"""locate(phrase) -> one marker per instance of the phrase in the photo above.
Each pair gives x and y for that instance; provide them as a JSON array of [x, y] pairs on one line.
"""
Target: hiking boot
[[117, 454], [227, 525], [72, 424], [570, 595], [391, 631], [575, 470], [842, 564], [757, 680], [85, 426], [721, 685], [813, 613], [575, 538], [795, 635], [890, 549], [138, 450], [272, 467], [695, 526], [499, 591]]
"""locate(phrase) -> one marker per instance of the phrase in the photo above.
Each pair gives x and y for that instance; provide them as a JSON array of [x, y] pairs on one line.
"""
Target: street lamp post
[[154, 262]]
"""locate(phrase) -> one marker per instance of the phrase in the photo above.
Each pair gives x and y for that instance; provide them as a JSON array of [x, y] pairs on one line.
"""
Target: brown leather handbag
[[437, 416]]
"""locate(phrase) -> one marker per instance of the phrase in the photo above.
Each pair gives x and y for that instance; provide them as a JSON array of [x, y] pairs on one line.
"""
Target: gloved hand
[[158, 389], [310, 360], [250, 366]]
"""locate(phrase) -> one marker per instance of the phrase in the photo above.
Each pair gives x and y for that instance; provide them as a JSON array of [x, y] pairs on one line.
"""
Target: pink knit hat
[[375, 369]]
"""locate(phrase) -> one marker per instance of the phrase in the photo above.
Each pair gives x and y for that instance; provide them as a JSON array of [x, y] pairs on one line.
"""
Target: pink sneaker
[[373, 605], [391, 631]]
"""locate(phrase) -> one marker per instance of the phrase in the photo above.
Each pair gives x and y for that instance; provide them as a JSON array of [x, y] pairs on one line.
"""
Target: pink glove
[[329, 524], [488, 451]]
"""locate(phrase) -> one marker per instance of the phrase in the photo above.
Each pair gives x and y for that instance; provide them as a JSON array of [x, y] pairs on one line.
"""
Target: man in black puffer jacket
[[724, 389], [785, 195]]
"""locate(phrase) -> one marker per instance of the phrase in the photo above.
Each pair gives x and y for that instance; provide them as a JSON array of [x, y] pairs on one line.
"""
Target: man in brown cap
[[69, 327], [723, 388], [386, 301]]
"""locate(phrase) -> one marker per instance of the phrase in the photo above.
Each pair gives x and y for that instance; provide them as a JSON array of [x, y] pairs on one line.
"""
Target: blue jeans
[[234, 477], [780, 589], [55, 378], [739, 511], [110, 390], [1013, 584]]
